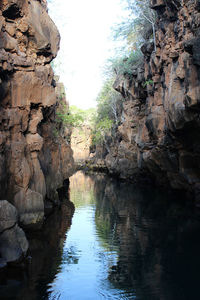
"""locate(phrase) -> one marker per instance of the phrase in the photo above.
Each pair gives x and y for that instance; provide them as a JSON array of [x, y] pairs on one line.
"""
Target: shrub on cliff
[[125, 64], [109, 104]]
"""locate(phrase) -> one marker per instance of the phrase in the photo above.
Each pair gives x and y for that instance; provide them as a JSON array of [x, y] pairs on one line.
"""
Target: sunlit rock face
[[35, 155], [160, 125], [80, 142]]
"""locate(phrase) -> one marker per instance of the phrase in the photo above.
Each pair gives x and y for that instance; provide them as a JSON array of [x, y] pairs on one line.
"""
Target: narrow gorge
[[121, 227]]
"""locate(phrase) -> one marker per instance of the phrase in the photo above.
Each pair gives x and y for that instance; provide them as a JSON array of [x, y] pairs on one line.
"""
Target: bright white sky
[[85, 28]]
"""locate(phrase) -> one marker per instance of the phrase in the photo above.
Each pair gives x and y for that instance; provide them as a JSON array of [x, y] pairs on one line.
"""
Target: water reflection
[[31, 280], [85, 276], [157, 236], [131, 243], [124, 243]]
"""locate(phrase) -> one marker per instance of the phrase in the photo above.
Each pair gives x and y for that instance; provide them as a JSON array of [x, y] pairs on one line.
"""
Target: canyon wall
[[159, 132], [80, 143], [35, 153]]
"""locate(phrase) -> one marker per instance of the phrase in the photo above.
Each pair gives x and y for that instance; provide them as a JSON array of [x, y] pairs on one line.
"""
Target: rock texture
[[35, 155], [80, 143], [13, 242], [159, 130], [45, 254]]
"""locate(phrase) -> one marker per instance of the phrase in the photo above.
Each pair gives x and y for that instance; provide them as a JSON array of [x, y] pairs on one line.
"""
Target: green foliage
[[88, 115], [102, 128], [137, 28], [148, 82], [108, 103], [72, 117], [126, 64], [62, 94], [133, 31]]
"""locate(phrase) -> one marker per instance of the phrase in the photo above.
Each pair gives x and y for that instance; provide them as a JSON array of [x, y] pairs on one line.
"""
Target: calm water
[[124, 243]]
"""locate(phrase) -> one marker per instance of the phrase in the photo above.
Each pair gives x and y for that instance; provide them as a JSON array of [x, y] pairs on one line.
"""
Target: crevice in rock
[[13, 12]]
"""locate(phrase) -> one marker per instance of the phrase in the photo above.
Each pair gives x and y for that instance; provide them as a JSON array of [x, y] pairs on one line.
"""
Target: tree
[[107, 115], [124, 64], [139, 26]]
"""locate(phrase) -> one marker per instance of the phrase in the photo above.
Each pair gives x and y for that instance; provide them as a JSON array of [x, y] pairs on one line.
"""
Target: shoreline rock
[[34, 159]]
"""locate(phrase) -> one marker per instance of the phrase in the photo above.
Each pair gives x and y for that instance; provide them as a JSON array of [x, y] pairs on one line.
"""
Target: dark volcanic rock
[[28, 143], [13, 242], [35, 154], [159, 130]]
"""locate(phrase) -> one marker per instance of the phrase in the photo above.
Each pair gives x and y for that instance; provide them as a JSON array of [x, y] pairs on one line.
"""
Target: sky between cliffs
[[85, 28]]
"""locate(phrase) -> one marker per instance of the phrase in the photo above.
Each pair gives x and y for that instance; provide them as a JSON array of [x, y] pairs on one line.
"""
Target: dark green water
[[124, 243]]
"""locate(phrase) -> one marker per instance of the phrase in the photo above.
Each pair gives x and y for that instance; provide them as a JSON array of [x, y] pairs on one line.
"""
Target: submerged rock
[[13, 242]]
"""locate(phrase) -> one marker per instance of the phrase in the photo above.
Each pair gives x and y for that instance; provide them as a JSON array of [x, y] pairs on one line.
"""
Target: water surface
[[125, 242]]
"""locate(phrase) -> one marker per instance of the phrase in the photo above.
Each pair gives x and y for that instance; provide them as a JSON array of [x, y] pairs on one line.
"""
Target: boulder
[[13, 242]]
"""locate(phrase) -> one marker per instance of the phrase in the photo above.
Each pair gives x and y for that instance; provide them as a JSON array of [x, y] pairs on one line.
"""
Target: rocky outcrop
[[80, 143], [35, 154], [13, 242], [159, 130], [44, 257]]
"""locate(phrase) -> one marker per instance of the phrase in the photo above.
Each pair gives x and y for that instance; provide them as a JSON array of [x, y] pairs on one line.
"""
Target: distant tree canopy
[[74, 117]]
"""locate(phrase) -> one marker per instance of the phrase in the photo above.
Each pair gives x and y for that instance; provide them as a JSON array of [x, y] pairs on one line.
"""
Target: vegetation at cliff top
[[138, 27], [134, 31], [124, 64]]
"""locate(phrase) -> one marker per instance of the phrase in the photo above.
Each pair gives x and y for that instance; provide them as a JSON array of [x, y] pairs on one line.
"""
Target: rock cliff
[[80, 143], [159, 130], [35, 155]]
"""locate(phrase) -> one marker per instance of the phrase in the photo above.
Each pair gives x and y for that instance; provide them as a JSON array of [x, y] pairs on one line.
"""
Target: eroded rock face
[[171, 127], [80, 142], [159, 131], [13, 242], [34, 160]]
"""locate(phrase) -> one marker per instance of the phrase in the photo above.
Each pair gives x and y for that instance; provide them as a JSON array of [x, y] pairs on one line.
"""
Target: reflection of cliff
[[82, 189], [45, 255], [157, 239]]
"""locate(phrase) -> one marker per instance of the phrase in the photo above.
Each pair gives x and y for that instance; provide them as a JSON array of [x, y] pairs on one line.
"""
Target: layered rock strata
[[159, 130], [35, 154]]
